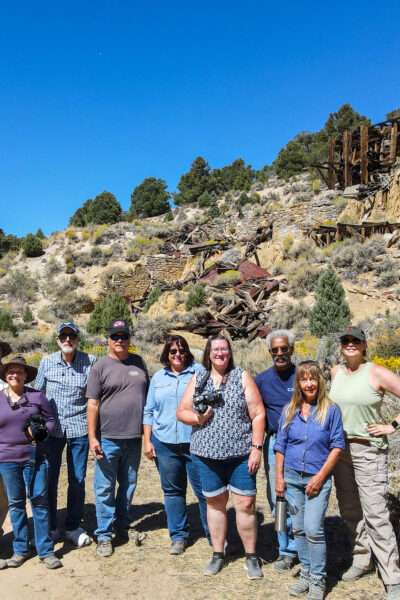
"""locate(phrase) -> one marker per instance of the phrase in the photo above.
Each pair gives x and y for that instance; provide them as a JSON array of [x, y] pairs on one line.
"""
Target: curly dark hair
[[182, 344]]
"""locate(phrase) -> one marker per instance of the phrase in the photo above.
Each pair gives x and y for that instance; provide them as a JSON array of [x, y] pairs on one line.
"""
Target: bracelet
[[257, 446]]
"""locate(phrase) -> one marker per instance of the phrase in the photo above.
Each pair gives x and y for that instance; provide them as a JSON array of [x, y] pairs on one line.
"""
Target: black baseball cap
[[68, 325], [119, 326], [354, 332]]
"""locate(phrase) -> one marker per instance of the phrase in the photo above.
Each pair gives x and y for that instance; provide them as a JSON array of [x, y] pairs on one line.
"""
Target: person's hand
[[254, 460], [314, 485], [149, 451], [377, 430], [204, 417], [280, 485], [95, 448]]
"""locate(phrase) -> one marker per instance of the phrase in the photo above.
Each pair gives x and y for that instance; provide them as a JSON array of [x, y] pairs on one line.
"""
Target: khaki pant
[[3, 506], [361, 478]]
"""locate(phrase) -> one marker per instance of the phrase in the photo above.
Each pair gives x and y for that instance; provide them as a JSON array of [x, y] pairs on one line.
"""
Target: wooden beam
[[348, 180], [331, 163], [393, 142], [364, 154]]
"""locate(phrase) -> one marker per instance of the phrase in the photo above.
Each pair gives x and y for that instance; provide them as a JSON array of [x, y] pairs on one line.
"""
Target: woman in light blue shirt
[[167, 440]]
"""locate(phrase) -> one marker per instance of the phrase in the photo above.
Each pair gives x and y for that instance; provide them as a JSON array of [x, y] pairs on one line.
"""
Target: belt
[[362, 441]]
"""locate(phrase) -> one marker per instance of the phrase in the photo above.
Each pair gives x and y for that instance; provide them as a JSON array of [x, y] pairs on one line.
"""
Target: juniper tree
[[112, 307], [330, 313]]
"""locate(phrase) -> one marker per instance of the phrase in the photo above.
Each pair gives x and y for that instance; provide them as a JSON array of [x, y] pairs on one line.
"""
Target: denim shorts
[[232, 474]]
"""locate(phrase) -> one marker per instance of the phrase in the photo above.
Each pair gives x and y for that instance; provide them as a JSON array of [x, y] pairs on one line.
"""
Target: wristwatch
[[395, 424], [257, 446]]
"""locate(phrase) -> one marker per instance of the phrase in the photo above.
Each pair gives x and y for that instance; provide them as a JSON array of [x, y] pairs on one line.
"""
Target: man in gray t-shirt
[[116, 392]]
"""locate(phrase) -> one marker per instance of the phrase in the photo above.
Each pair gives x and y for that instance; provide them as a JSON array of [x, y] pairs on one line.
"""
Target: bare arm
[[149, 450], [93, 417], [255, 407], [384, 380], [185, 412], [279, 480]]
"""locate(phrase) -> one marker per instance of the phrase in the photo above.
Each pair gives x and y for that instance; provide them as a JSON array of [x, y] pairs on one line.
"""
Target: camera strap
[[201, 382]]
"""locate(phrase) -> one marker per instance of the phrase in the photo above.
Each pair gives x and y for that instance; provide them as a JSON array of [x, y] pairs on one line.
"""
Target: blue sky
[[99, 95]]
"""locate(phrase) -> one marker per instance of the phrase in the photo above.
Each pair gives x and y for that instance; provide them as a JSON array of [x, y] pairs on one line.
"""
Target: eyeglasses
[[117, 337], [346, 341], [180, 351], [220, 351], [64, 336], [283, 349]]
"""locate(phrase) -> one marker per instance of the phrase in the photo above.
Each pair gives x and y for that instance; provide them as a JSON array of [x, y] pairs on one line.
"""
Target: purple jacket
[[14, 445]]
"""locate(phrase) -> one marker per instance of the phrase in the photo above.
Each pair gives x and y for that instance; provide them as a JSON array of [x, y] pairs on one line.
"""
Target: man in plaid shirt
[[63, 376]]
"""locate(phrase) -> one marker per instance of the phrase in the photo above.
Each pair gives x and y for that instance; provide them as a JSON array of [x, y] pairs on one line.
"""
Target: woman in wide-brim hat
[[23, 467]]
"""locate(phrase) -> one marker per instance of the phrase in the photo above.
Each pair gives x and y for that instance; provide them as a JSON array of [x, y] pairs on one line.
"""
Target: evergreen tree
[[194, 183], [107, 310], [39, 234], [6, 321], [80, 218], [32, 246], [150, 198], [104, 209], [330, 313]]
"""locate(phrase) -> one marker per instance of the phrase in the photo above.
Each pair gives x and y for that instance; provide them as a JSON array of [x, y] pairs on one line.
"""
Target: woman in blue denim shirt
[[167, 441], [309, 442]]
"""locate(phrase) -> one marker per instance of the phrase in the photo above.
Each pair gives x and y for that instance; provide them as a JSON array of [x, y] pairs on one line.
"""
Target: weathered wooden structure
[[358, 155], [325, 235]]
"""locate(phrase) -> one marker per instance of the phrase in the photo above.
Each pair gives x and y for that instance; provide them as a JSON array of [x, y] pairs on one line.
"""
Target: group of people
[[208, 423]]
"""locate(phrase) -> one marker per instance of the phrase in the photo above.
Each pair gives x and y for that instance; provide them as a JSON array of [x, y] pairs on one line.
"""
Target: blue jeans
[[22, 480], [77, 456], [175, 465], [120, 463], [286, 542], [308, 521]]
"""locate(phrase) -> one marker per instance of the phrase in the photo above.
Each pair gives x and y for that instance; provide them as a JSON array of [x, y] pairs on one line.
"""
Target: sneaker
[[78, 537], [354, 573], [51, 562], [16, 560], [137, 537], [178, 547], [214, 566], [316, 591], [104, 548], [285, 563], [3, 564], [253, 567], [56, 535], [393, 592], [301, 586]]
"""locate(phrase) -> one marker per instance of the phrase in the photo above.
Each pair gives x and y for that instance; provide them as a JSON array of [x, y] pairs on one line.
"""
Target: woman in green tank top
[[361, 475]]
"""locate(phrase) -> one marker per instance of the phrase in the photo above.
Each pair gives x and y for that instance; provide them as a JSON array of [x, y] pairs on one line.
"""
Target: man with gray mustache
[[63, 376]]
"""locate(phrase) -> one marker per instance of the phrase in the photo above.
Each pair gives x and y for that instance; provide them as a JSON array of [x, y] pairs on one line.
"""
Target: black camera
[[38, 429], [202, 401]]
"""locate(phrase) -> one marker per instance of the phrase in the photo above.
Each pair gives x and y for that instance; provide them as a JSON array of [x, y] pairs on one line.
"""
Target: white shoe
[[56, 535], [78, 537]]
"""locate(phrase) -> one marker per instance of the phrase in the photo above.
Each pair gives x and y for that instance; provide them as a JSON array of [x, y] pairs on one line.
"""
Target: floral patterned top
[[228, 433]]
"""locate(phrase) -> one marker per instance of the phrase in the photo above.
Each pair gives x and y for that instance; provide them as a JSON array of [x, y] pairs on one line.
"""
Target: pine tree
[[150, 198], [111, 308], [32, 246], [330, 313]]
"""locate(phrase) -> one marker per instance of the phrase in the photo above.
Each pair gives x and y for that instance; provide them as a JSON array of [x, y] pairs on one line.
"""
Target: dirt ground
[[148, 571]]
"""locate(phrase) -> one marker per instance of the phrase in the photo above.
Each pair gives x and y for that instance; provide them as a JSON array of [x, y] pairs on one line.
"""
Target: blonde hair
[[323, 401]]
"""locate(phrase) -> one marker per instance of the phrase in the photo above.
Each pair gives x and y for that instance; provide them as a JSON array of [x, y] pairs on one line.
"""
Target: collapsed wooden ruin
[[323, 235]]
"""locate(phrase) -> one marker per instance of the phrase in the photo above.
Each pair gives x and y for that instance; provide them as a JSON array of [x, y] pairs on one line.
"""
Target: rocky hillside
[[247, 266]]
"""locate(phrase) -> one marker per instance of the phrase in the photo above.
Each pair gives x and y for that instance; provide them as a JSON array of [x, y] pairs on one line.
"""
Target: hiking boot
[[354, 573], [285, 563], [253, 567], [316, 590], [393, 592], [51, 562], [301, 586], [78, 537], [104, 548], [214, 566], [178, 547], [16, 560]]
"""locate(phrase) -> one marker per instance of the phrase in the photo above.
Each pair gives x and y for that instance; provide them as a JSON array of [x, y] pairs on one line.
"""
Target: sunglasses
[[64, 336], [350, 340], [283, 349], [116, 337], [174, 351]]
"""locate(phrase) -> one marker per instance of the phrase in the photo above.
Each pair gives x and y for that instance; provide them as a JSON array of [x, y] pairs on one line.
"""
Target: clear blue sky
[[99, 95]]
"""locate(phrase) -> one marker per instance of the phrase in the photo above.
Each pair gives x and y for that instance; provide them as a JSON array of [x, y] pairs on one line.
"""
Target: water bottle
[[280, 514]]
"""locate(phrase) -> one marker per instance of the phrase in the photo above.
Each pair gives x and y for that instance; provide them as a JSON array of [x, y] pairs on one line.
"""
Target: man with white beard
[[63, 376]]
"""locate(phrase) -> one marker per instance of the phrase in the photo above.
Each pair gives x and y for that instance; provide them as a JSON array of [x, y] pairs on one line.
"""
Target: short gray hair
[[280, 333]]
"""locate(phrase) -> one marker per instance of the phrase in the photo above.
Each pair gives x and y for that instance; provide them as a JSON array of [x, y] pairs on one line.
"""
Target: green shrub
[[302, 280], [387, 278], [230, 277], [19, 286], [32, 246], [287, 315], [197, 296], [6, 321], [153, 296], [112, 307], [27, 315]]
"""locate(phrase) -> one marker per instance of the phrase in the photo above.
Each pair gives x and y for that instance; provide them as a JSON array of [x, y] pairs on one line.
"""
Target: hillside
[[249, 265]]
